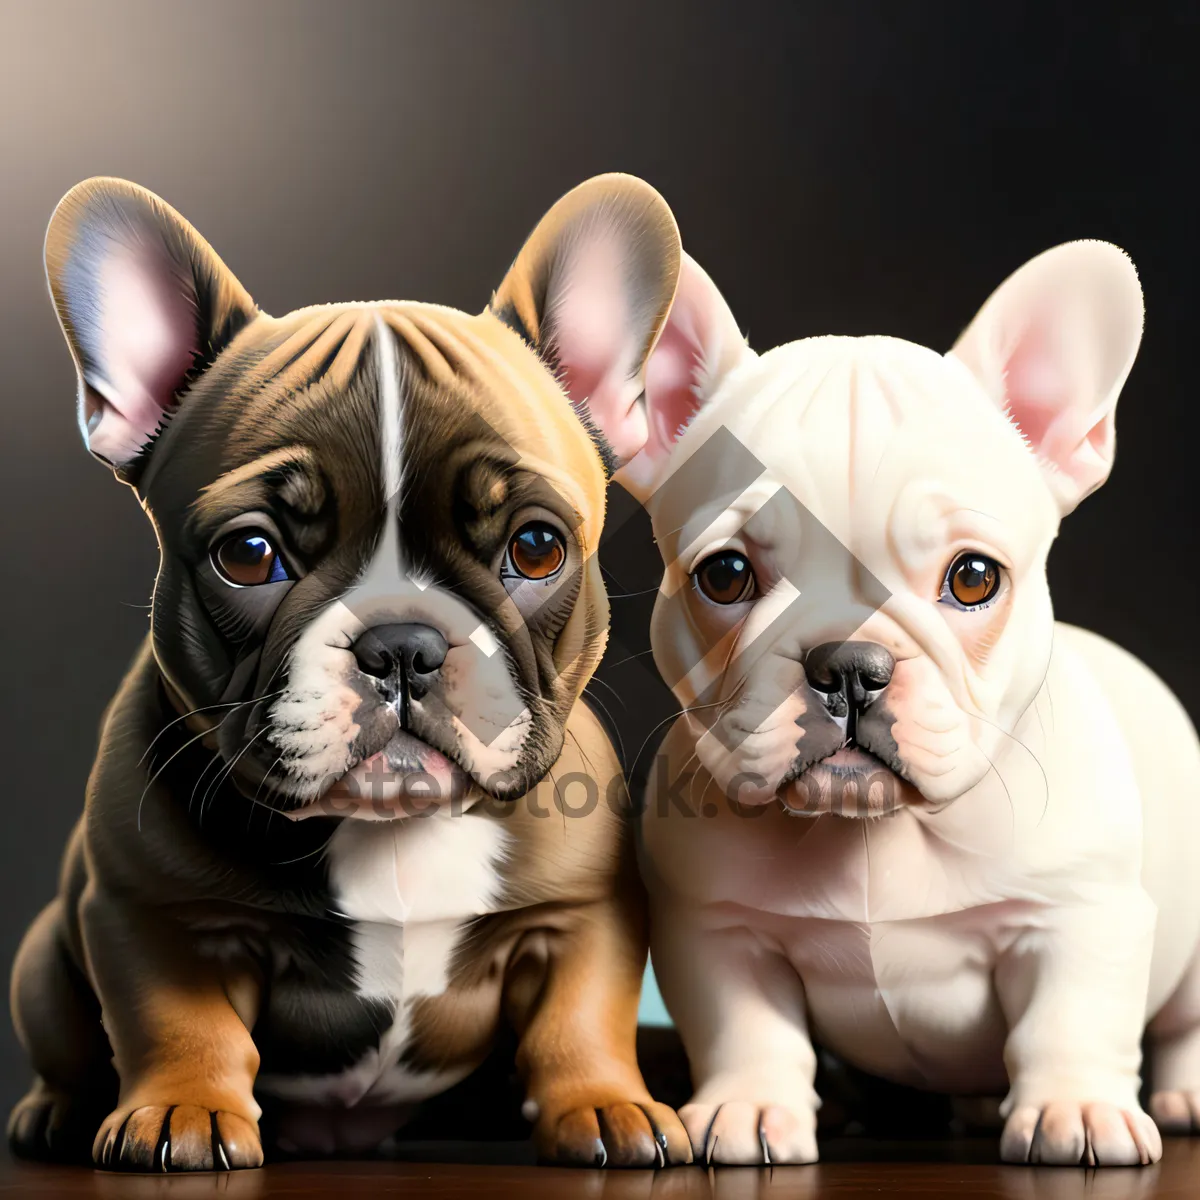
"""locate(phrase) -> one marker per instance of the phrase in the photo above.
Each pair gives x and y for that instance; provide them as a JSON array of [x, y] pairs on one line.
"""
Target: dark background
[[838, 168]]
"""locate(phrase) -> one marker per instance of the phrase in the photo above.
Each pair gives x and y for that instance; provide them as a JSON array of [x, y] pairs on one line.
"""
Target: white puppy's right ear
[[699, 346], [144, 302], [1053, 346]]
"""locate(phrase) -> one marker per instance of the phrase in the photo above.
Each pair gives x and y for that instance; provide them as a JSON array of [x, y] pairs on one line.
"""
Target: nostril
[[874, 681], [858, 670], [424, 649], [875, 666], [825, 681], [372, 656], [417, 650]]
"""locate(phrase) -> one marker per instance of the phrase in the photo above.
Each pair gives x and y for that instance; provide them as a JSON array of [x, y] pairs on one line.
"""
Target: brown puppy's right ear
[[144, 303], [590, 291]]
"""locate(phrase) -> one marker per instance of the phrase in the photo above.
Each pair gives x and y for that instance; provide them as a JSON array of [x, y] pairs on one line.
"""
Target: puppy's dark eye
[[725, 578], [973, 579], [537, 551], [247, 558]]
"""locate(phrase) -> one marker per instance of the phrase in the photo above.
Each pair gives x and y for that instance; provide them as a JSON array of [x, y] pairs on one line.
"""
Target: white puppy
[[904, 811]]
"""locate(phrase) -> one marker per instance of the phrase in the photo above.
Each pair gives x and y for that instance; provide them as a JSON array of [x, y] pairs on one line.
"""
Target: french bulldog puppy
[[377, 608], [904, 812]]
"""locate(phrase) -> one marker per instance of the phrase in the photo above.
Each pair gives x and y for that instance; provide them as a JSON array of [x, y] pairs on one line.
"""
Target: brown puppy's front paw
[[615, 1135], [742, 1133], [50, 1126], [183, 1137], [1071, 1133]]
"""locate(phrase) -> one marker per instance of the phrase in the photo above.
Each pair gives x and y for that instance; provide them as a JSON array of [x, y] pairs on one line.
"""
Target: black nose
[[414, 651], [849, 673]]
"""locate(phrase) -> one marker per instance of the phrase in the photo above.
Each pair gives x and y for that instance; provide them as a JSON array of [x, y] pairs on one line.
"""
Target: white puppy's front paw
[[1176, 1112], [1071, 1133], [745, 1133]]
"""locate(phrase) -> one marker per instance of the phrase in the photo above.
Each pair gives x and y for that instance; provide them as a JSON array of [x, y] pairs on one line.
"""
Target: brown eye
[[247, 559], [725, 578], [972, 579], [536, 551]]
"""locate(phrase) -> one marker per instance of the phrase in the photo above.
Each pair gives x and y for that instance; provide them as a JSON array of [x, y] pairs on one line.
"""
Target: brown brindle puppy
[[327, 846]]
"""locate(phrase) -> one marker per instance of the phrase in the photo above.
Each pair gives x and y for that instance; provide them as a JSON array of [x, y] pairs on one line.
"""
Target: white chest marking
[[409, 887]]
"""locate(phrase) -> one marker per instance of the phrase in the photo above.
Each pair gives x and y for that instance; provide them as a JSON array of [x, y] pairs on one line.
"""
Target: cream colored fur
[[1010, 915]]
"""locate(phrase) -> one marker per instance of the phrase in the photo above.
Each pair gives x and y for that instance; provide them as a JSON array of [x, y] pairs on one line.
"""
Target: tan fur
[[302, 412]]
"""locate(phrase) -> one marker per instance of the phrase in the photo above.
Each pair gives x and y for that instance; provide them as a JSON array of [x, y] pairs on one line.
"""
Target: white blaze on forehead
[[391, 433], [387, 573]]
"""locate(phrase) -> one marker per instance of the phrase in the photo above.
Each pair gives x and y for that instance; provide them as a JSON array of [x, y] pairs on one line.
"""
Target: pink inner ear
[[670, 386], [595, 346], [146, 345], [1035, 387]]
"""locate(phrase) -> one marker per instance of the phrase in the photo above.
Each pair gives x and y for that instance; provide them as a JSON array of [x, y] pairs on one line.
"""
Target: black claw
[[219, 1158], [41, 1129], [709, 1151], [600, 1158], [1033, 1140], [162, 1148], [660, 1138], [116, 1148]]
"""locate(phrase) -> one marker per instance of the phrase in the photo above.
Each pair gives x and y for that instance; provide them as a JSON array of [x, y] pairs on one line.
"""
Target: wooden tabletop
[[851, 1167]]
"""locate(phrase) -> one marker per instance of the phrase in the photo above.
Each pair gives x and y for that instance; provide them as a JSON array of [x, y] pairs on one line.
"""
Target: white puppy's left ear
[[1053, 346], [700, 344]]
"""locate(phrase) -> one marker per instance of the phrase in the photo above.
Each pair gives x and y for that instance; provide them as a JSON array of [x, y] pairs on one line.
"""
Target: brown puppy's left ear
[[144, 302], [590, 291]]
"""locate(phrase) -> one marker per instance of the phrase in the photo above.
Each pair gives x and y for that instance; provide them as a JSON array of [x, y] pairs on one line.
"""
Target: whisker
[[616, 732], [215, 761], [604, 683], [222, 775], [195, 712], [321, 849], [190, 742], [622, 661], [666, 720], [1038, 761]]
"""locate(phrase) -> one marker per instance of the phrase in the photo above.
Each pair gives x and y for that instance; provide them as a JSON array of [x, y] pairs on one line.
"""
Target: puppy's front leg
[[1073, 990], [740, 1008], [185, 1057], [572, 993]]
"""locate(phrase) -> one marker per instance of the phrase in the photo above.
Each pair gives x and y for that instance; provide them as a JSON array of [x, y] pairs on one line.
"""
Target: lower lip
[[375, 790], [851, 758], [845, 784]]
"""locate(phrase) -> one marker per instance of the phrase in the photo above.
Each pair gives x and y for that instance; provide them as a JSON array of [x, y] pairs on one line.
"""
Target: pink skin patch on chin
[[375, 790]]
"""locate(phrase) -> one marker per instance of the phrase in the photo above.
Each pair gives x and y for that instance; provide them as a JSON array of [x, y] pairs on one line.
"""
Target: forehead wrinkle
[[321, 374], [547, 431], [426, 354], [292, 357], [507, 385], [217, 497], [458, 355]]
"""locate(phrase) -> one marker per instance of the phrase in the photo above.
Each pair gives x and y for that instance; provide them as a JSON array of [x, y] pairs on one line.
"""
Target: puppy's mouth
[[850, 782], [406, 778]]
